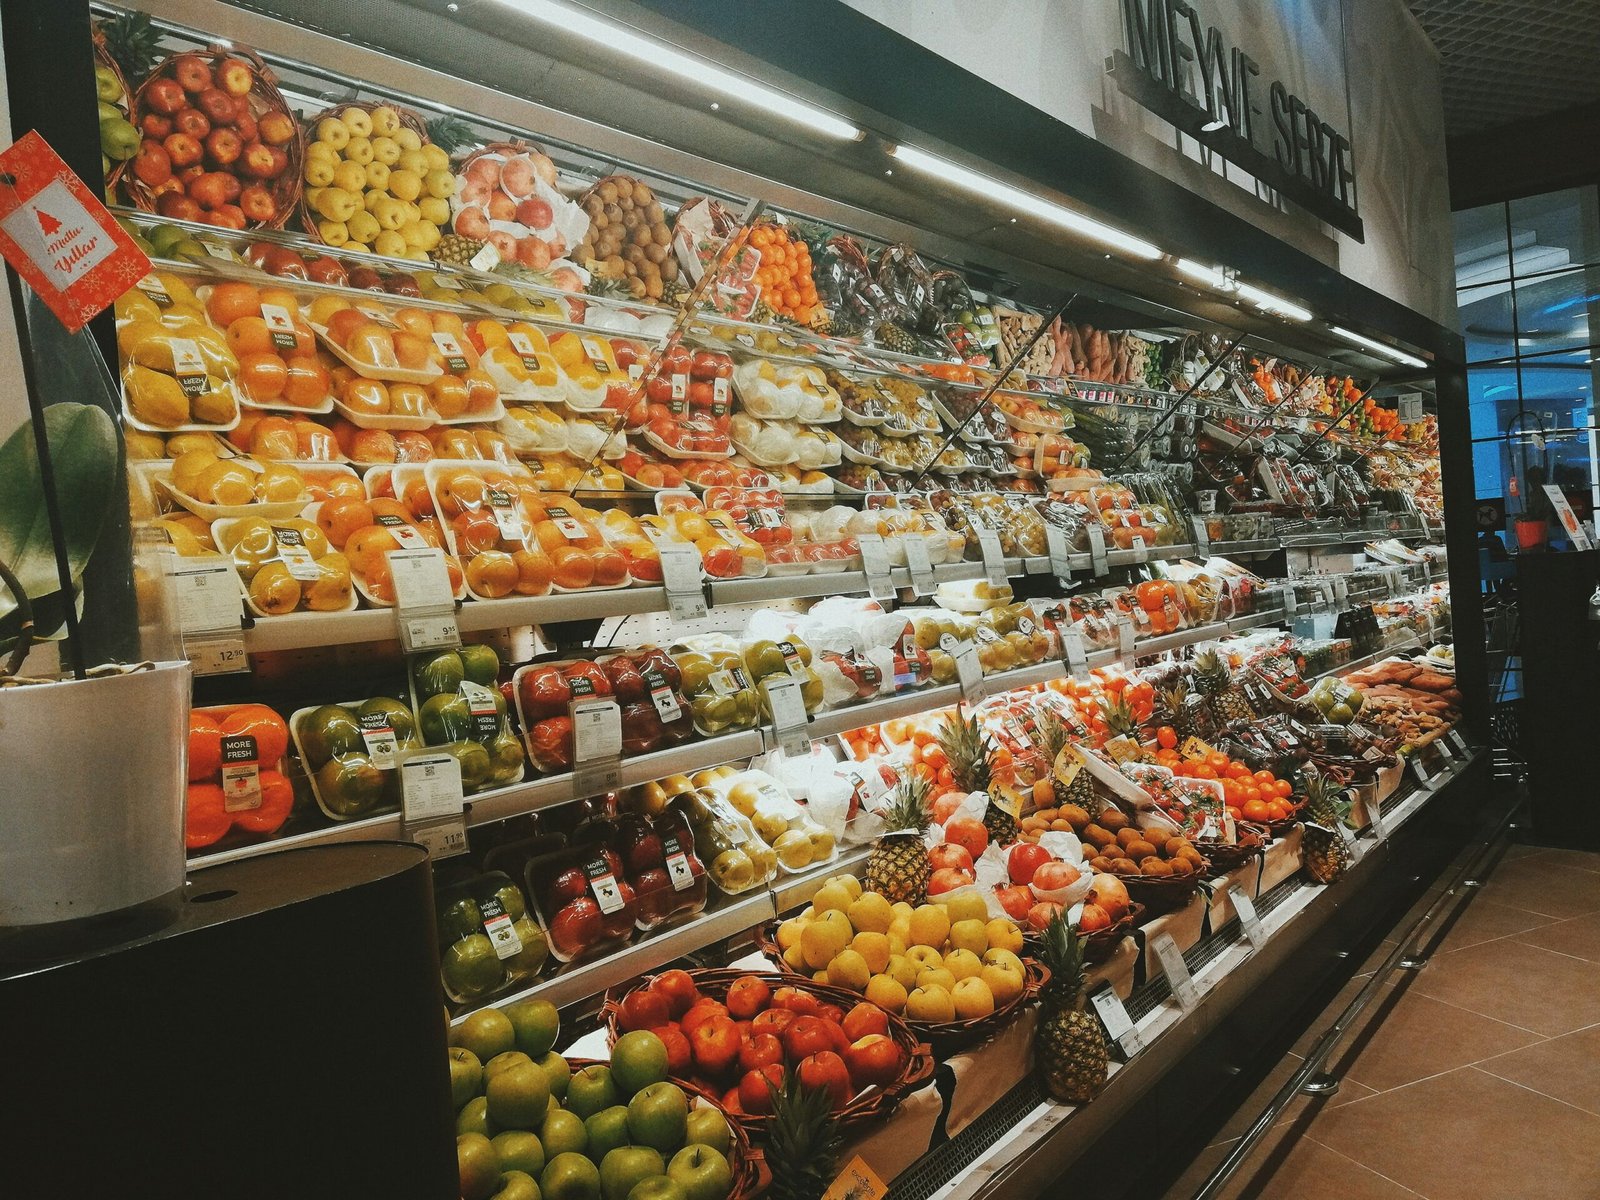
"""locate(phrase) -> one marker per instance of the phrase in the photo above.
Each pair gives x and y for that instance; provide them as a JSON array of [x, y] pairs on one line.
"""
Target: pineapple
[[891, 337], [455, 250], [1071, 783], [1215, 681], [1324, 851], [803, 1143], [450, 134], [967, 748], [1176, 700], [133, 43], [1068, 1047], [897, 868]]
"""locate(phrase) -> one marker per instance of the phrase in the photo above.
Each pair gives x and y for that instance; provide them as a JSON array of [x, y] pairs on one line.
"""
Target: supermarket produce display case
[[1097, 525]]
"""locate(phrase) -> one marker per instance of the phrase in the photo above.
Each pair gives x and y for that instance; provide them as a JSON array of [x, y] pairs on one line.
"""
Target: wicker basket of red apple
[[731, 1034], [220, 144]]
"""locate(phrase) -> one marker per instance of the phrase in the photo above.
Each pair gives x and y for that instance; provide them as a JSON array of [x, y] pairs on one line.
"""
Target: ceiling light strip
[[1399, 356]]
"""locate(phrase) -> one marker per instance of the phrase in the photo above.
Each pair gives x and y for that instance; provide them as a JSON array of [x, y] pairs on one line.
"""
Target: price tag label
[[596, 746], [1060, 553], [1457, 741], [681, 576], [425, 609], [1374, 810], [217, 655], [241, 774], [1182, 983], [1097, 547], [875, 562], [503, 507], [662, 695], [1291, 605], [1072, 652], [1140, 548], [1116, 1020], [216, 251], [857, 1181], [498, 925], [486, 259], [209, 600], [1125, 635], [430, 788], [969, 670], [994, 559], [1408, 408], [1202, 535], [280, 325], [292, 550], [791, 726], [441, 839], [920, 566], [1249, 919], [379, 737], [604, 886]]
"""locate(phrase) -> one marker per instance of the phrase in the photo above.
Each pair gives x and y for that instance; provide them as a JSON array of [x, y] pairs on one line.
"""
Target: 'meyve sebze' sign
[[1189, 75]]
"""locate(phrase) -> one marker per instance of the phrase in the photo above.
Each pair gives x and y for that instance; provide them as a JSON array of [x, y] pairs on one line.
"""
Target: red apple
[[244, 124], [796, 1001], [760, 1049], [643, 1009], [210, 190], [950, 855], [1016, 900], [280, 161], [716, 1046], [576, 926], [874, 1059], [755, 1088], [151, 165], [258, 204], [177, 206], [191, 121], [189, 174], [182, 149], [827, 1070], [229, 216], [680, 1056], [257, 161], [191, 72], [219, 107], [747, 996], [223, 147], [1026, 858], [644, 852], [326, 270], [276, 128], [863, 1019], [806, 1036], [235, 77], [569, 883], [155, 125], [773, 1021], [701, 1011], [165, 96], [948, 879], [1052, 876], [679, 989]]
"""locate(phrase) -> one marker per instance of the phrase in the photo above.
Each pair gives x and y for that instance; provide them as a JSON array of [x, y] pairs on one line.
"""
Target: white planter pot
[[92, 784]]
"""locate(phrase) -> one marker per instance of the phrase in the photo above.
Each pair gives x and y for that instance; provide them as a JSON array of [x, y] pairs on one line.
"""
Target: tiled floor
[[1476, 1078]]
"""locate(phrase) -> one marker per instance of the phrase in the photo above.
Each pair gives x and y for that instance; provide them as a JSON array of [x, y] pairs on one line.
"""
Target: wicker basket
[[1163, 893], [750, 1174], [1283, 828], [872, 1104], [408, 119], [264, 97], [943, 1035], [1225, 856], [1102, 943], [103, 58]]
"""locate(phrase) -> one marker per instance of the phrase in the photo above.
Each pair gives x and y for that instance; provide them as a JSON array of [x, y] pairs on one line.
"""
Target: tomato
[[545, 693], [550, 744]]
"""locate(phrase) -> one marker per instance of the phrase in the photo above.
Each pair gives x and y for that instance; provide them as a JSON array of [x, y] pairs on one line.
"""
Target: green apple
[[704, 1173], [708, 1127], [627, 1166], [570, 1177], [519, 1150], [466, 1076], [486, 1033], [662, 1187], [537, 1025], [591, 1090], [519, 1097], [658, 1117], [504, 1062], [558, 1072], [516, 1185], [563, 1133], [638, 1060], [474, 1117], [607, 1130], [477, 1165], [471, 969]]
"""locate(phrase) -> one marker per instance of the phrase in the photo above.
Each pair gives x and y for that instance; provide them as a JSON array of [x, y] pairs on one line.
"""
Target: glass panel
[[1489, 468], [1492, 398], [1553, 231], [1480, 240], [1486, 322], [1558, 387], [1556, 312]]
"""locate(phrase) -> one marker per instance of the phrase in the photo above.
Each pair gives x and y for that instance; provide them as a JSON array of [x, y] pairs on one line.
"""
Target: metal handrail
[[1401, 956]]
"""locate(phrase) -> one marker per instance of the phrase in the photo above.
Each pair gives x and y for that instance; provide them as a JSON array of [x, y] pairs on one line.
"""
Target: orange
[[492, 574], [367, 550], [205, 747], [277, 801], [610, 567], [283, 298], [534, 572], [410, 351], [551, 539], [482, 392], [571, 568], [260, 722], [415, 321], [459, 491], [448, 394], [206, 819], [230, 302], [307, 382], [475, 533], [365, 396], [250, 335], [341, 518], [388, 506]]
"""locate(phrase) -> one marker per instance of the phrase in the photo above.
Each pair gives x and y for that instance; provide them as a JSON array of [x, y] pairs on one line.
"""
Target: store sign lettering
[[1186, 73]]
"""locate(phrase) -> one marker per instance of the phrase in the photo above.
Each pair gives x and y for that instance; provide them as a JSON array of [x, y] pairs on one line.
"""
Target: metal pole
[[1172, 409]]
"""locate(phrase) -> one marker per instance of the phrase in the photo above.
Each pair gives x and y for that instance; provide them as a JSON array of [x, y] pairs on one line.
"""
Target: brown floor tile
[[1515, 852], [1468, 1135], [1481, 920], [1419, 1036], [1375, 959], [1521, 985], [1534, 885], [1347, 993], [1582, 860], [1579, 937], [1564, 1068], [1199, 1171], [1290, 1167], [1301, 1110]]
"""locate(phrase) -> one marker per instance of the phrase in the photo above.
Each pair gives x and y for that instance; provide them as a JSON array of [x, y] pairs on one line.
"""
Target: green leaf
[[83, 445]]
